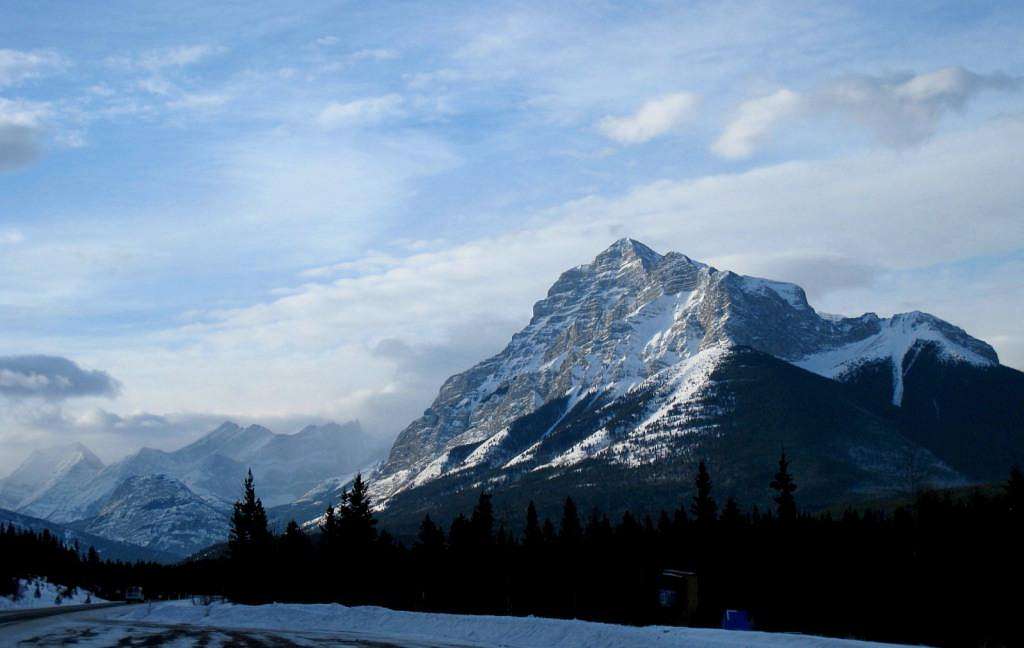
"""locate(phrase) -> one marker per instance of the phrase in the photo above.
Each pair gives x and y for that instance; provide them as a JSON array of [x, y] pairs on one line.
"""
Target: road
[[94, 627]]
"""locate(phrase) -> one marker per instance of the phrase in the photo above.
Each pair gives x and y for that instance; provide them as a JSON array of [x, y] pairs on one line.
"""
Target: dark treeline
[[27, 554], [945, 570]]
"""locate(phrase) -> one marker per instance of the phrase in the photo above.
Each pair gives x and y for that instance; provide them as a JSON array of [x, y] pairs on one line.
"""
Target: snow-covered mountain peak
[[230, 440], [625, 252], [43, 471], [630, 317]]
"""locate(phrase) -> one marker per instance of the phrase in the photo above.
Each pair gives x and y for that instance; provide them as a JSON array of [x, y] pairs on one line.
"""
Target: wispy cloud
[[899, 110], [653, 119], [171, 57], [754, 121], [18, 66], [370, 110]]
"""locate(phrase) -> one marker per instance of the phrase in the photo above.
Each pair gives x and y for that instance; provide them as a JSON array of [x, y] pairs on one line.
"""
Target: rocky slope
[[159, 513]]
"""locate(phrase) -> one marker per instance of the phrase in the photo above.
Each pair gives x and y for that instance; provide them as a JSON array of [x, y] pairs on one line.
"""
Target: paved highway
[[89, 626]]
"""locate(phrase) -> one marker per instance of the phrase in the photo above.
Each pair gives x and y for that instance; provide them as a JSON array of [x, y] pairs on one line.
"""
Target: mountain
[[48, 476], [159, 513], [286, 467], [639, 364], [107, 549]]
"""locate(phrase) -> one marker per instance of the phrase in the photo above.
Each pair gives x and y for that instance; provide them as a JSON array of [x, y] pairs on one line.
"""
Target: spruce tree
[[460, 534], [355, 517], [533, 537], [570, 533], [329, 528], [294, 542], [430, 539], [249, 531], [704, 508], [784, 486], [1015, 493], [549, 533], [482, 521]]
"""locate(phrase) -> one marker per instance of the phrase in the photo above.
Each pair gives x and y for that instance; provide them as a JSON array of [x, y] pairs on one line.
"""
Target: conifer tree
[[460, 534], [704, 508], [482, 521], [549, 533], [430, 539], [533, 537], [329, 527], [249, 531], [356, 523], [731, 513], [570, 533], [784, 486], [1015, 493], [294, 541]]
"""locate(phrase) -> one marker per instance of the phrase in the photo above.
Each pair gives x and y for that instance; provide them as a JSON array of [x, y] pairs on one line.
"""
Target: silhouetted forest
[[945, 570]]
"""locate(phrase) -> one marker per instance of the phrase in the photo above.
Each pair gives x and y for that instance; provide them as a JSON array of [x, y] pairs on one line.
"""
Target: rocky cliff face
[[625, 362]]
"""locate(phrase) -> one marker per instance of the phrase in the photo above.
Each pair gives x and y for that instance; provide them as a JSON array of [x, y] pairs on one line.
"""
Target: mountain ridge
[[632, 316]]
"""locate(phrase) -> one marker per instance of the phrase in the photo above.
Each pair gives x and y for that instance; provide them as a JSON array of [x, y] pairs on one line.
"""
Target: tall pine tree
[[784, 486], [249, 532], [704, 508], [533, 537], [570, 533], [356, 523], [482, 521]]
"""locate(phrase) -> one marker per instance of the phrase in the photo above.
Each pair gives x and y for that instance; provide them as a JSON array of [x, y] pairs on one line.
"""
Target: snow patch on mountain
[[898, 342]]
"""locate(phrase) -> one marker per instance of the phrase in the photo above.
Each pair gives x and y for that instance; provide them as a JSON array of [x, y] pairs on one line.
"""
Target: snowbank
[[506, 632], [49, 595]]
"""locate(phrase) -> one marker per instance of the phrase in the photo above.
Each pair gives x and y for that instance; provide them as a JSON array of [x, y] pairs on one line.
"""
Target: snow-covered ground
[[49, 595], [413, 628]]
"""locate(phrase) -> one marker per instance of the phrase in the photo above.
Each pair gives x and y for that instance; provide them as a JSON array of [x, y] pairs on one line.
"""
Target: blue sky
[[293, 211]]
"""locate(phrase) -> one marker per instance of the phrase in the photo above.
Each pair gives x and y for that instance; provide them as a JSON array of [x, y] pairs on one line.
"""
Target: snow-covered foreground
[[49, 595], [507, 632]]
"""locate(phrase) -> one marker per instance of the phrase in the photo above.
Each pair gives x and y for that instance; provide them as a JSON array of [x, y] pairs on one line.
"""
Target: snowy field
[[180, 623], [49, 595], [420, 628]]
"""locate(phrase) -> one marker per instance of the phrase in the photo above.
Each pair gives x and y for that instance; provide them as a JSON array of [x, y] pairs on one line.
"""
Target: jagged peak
[[626, 250]]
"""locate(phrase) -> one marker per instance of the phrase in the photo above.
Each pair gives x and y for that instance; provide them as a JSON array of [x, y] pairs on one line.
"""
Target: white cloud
[[377, 54], [754, 121], [898, 111], [11, 237], [370, 110], [17, 66], [171, 57], [200, 100], [656, 117]]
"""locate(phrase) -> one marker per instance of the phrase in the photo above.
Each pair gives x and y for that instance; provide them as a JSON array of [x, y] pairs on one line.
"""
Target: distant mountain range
[[107, 549], [633, 368], [638, 365], [176, 503]]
